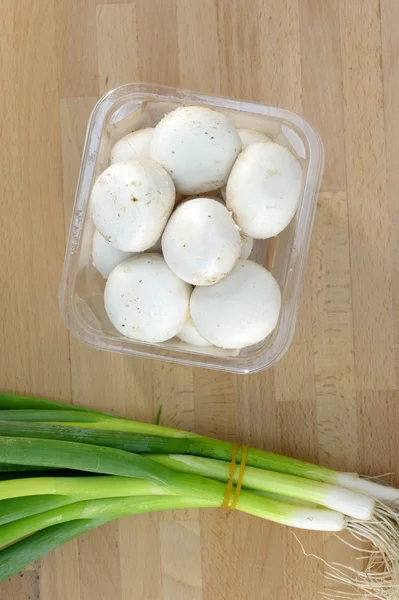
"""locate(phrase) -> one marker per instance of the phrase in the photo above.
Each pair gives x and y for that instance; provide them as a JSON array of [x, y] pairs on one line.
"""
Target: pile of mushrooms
[[176, 213]]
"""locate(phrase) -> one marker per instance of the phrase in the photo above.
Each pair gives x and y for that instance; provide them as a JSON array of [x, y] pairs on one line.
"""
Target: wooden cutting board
[[334, 397]]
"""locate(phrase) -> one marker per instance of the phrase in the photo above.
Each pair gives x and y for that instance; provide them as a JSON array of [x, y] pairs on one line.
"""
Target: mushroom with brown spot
[[131, 203]]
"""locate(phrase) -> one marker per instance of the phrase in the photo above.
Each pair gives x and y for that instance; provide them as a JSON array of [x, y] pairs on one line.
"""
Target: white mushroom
[[190, 335], [211, 195], [264, 189], [133, 145], [145, 301], [214, 195], [197, 146], [131, 202], [201, 243], [240, 310], [247, 244], [105, 256], [251, 136]]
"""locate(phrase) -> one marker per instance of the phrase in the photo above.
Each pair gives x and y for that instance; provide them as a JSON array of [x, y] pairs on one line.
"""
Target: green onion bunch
[[65, 470]]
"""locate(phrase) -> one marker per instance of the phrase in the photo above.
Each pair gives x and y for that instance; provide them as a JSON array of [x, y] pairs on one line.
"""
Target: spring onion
[[17, 556], [350, 503], [108, 508]]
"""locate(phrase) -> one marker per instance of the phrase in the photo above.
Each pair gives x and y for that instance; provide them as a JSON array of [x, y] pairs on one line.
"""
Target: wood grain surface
[[334, 397]]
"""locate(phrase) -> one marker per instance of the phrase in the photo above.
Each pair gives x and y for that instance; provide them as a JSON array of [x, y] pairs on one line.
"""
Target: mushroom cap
[[105, 256], [264, 189], [251, 136], [240, 310], [201, 243], [133, 145], [247, 244], [131, 203], [145, 301], [197, 146], [213, 195], [190, 335]]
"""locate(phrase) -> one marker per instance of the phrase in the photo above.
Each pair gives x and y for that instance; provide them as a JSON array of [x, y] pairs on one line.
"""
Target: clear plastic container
[[139, 105]]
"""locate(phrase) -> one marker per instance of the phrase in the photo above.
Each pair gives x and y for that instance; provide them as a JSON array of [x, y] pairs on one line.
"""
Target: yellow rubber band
[[229, 486], [244, 453], [230, 482]]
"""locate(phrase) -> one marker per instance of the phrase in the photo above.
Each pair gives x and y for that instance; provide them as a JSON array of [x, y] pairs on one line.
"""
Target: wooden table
[[334, 396]]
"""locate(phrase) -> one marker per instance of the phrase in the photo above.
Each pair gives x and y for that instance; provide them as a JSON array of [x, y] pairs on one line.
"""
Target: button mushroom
[[247, 244], [251, 136], [145, 301], [240, 310], [201, 243], [197, 146], [190, 335], [131, 202], [214, 195], [133, 145], [105, 256], [264, 189]]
